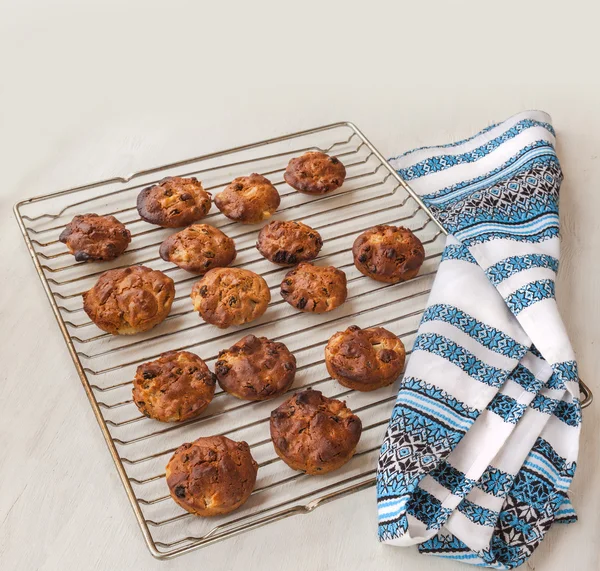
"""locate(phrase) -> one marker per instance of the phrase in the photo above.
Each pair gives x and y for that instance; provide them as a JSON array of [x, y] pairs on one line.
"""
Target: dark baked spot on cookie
[[180, 492]]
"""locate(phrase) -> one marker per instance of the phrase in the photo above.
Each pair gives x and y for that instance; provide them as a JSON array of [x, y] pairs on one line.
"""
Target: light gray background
[[90, 89]]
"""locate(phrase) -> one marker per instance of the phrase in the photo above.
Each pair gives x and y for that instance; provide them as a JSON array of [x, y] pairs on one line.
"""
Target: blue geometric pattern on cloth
[[515, 264], [443, 162], [498, 198], [490, 337], [529, 294], [507, 407], [478, 514], [459, 356]]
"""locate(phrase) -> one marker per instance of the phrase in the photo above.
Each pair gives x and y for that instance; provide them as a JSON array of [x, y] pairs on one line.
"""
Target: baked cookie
[[174, 202], [256, 368], [248, 199], [313, 433], [198, 248], [388, 254], [212, 475], [365, 359], [130, 300], [315, 173], [175, 387], [313, 288], [230, 296], [93, 238], [288, 243]]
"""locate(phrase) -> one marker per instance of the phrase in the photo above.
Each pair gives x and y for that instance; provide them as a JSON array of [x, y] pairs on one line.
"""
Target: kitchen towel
[[482, 442]]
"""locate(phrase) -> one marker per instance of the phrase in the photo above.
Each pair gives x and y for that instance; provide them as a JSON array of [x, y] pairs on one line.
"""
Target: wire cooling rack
[[372, 193]]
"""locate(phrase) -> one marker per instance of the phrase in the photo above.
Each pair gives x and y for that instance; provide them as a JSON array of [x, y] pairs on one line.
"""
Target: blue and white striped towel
[[483, 439]]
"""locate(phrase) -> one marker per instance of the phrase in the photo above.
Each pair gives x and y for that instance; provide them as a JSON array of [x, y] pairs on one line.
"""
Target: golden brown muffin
[[388, 254], [313, 433], [175, 387], [248, 199], [365, 359], [212, 475], [130, 300], [315, 173], [256, 368], [288, 243], [174, 202], [230, 296], [93, 238], [313, 288], [198, 248]]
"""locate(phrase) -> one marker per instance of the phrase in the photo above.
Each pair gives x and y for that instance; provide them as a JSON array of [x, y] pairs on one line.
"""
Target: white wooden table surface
[[99, 88]]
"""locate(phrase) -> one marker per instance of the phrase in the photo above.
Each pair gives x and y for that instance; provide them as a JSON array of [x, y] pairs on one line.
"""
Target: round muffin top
[[313, 433], [388, 254], [130, 300], [174, 202], [230, 296], [175, 387], [365, 359], [315, 173], [313, 288], [198, 248], [288, 243], [256, 368], [212, 475], [94, 238], [248, 199]]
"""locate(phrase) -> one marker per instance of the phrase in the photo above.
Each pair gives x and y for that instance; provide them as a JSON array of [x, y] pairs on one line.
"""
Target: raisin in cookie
[[315, 173], [93, 238], [365, 359], [175, 387], [288, 243], [211, 476], [230, 296], [248, 199], [130, 300], [388, 254], [256, 368], [174, 202], [313, 288], [198, 248], [313, 433]]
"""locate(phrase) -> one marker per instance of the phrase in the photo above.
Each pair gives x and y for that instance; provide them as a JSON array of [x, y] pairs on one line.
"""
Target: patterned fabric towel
[[482, 442]]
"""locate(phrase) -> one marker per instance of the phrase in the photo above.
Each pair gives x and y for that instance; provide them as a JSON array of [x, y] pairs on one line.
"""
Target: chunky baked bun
[[248, 199], [388, 254], [313, 433], [174, 202], [288, 243], [93, 238], [129, 300], [315, 173], [230, 296], [315, 289], [365, 359], [212, 475], [198, 248], [256, 368], [175, 387]]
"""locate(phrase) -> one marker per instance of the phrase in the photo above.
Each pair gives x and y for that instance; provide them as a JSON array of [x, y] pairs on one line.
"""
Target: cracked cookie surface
[[175, 387], [174, 202], [389, 254], [315, 173], [256, 368], [129, 300], [313, 433], [365, 359], [287, 242], [230, 296], [315, 289], [211, 476], [198, 248]]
